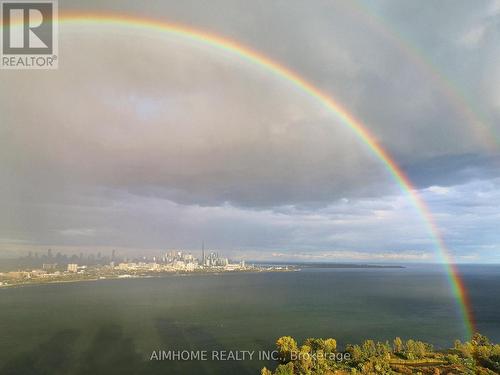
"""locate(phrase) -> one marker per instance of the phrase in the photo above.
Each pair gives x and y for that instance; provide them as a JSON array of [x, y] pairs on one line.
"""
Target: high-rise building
[[203, 252], [73, 267]]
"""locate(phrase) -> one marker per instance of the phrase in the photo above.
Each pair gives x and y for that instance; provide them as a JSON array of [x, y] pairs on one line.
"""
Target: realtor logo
[[29, 35]]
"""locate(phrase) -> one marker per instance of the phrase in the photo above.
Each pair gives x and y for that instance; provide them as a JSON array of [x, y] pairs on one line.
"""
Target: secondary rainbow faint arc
[[346, 118], [456, 97]]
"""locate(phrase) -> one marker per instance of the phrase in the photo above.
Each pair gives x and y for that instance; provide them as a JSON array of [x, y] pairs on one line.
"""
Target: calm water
[[111, 327]]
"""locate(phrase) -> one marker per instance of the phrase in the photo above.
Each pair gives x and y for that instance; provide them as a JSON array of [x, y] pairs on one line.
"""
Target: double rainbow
[[456, 97], [346, 118]]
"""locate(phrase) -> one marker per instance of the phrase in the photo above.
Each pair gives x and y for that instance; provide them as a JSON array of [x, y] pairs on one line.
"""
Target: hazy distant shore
[[331, 265]]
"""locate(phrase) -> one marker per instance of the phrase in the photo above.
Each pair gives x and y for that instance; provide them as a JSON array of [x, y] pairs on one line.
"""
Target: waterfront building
[[73, 267], [49, 266]]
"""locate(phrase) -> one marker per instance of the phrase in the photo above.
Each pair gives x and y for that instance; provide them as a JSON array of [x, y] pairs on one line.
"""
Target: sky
[[145, 141]]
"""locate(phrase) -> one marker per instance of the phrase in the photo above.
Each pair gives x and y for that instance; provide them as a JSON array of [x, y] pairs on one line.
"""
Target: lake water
[[113, 326]]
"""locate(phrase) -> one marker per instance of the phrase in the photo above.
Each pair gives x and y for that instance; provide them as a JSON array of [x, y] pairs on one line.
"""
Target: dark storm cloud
[[452, 170]]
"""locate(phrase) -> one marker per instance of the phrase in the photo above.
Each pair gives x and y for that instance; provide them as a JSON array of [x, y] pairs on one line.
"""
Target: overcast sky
[[144, 141]]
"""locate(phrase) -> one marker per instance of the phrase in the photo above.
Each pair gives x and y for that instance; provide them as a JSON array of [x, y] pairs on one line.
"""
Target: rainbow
[[455, 96], [237, 49]]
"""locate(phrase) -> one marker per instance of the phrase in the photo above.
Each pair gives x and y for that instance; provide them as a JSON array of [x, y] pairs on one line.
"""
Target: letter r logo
[[27, 28]]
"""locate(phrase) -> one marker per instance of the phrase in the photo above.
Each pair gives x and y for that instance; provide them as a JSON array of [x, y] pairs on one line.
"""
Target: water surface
[[112, 326]]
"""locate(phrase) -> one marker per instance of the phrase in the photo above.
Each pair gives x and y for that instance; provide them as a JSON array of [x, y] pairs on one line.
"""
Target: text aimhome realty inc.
[[239, 355]]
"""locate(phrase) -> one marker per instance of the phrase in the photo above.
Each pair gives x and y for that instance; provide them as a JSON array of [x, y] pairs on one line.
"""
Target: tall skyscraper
[[203, 252]]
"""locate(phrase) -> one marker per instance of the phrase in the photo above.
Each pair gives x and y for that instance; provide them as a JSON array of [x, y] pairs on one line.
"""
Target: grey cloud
[[195, 129], [452, 170], [143, 139]]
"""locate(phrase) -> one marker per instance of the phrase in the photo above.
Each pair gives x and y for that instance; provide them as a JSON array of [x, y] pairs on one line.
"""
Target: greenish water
[[112, 326]]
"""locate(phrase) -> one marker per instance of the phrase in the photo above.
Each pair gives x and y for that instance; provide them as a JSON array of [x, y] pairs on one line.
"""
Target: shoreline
[[135, 277]]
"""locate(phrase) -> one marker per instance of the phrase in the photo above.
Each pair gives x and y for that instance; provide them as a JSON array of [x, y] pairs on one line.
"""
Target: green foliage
[[319, 356], [398, 346], [286, 369], [356, 353], [452, 359], [369, 349], [286, 345], [330, 345], [304, 362], [481, 351], [417, 349]]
